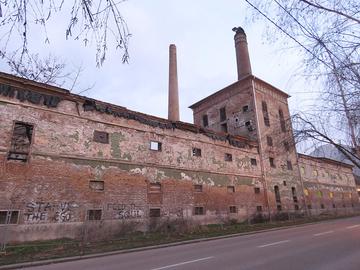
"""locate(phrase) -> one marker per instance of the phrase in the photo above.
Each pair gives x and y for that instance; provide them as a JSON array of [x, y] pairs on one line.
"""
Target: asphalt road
[[323, 246]]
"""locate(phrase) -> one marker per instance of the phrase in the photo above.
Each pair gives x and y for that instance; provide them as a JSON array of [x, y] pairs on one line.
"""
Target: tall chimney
[[173, 110], [242, 53]]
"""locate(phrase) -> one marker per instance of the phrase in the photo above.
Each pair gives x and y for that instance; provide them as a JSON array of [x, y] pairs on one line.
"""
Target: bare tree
[[89, 20], [49, 70], [327, 32]]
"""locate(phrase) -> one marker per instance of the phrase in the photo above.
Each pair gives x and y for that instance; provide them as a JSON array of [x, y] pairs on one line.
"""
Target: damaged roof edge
[[193, 106], [326, 160], [90, 104]]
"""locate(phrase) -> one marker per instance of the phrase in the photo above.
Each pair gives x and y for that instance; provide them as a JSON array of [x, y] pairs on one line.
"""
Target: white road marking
[[182, 263], [323, 233], [273, 244], [353, 226]]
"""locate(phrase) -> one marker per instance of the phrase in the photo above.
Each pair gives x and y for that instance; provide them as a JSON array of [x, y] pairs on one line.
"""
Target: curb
[[116, 252]]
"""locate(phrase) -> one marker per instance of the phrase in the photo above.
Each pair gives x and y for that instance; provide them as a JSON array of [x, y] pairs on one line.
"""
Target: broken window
[[155, 187], [257, 190], [309, 206], [232, 209], [245, 108], [253, 161], [289, 165], [259, 208], [296, 207], [20, 142], [196, 152], [228, 157], [205, 120], [97, 185], [224, 127], [222, 114], [198, 188], [269, 141], [154, 212], [155, 146], [282, 121], [231, 189], [334, 205], [249, 126], [277, 194], [278, 207], [322, 206], [9, 217], [101, 137], [265, 114], [293, 192], [199, 210], [94, 214], [272, 162]]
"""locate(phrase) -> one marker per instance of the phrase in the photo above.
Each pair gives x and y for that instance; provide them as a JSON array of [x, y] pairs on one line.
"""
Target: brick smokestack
[[242, 53], [173, 110]]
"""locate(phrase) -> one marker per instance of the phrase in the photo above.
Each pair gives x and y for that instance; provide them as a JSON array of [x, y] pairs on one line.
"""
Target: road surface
[[332, 245]]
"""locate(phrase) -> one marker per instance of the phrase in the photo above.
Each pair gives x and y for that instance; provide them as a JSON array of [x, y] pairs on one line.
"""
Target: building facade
[[68, 160]]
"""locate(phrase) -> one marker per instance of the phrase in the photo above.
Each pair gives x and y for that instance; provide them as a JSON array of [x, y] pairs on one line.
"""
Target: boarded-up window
[[289, 165], [97, 185], [9, 217], [205, 120], [265, 114], [231, 189], [21, 142], [232, 209], [155, 187], [94, 214], [199, 210], [222, 114], [155, 146], [196, 152], [154, 212], [228, 157], [198, 188], [101, 137]]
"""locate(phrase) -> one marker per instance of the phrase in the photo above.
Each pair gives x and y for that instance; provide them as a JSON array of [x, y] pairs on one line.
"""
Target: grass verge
[[44, 250]]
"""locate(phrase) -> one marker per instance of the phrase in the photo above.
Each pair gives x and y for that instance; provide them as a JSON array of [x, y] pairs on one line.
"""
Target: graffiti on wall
[[125, 211], [41, 212]]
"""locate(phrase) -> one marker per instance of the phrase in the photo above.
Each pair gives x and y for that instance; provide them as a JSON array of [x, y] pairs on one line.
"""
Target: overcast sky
[[201, 30]]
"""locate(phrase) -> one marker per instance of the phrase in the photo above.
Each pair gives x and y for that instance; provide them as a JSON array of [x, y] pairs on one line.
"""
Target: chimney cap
[[239, 30]]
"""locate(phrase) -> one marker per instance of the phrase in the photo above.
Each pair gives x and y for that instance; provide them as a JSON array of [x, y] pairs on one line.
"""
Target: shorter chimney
[[173, 109], [242, 53]]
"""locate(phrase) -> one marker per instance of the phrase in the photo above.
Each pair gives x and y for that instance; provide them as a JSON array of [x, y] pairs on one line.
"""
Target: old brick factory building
[[68, 160]]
